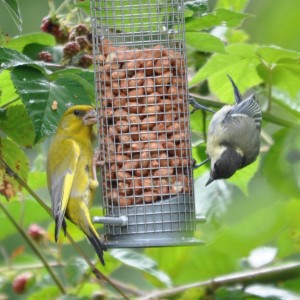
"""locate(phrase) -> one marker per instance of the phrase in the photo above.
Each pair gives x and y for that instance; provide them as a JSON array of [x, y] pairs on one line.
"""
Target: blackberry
[[81, 29], [45, 56], [82, 41], [85, 61], [71, 49]]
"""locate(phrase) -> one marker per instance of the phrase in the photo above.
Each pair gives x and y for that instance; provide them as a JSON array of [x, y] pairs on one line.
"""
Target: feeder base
[[166, 239]]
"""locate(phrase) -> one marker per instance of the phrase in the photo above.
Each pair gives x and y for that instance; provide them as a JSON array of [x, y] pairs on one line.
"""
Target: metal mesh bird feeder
[[144, 131]]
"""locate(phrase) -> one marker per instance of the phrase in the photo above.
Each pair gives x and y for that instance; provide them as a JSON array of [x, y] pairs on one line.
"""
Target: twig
[[29, 266], [265, 275], [34, 248], [99, 275]]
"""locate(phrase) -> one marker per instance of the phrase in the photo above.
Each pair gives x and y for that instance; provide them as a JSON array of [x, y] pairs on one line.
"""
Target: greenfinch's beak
[[90, 118]]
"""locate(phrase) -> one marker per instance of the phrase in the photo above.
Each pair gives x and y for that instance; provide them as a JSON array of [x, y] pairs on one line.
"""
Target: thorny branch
[[99, 275]]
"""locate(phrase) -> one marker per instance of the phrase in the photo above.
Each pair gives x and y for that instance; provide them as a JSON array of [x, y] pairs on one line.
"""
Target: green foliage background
[[253, 218]]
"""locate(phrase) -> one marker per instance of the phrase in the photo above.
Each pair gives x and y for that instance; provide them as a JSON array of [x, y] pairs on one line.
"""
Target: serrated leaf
[[10, 58], [14, 10], [38, 94], [204, 42], [213, 200], [19, 42], [243, 176], [75, 270], [219, 17], [240, 63], [46, 293], [282, 162], [16, 159], [141, 262], [238, 5], [7, 89], [196, 5], [273, 54], [17, 125], [286, 76]]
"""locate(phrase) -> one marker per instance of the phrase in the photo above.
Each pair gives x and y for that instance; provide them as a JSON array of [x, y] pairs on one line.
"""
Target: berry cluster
[[77, 48]]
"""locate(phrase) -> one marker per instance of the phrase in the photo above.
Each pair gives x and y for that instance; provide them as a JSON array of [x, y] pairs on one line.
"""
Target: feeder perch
[[144, 130]]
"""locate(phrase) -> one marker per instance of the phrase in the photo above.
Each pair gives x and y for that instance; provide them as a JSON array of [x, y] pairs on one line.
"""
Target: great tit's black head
[[229, 161]]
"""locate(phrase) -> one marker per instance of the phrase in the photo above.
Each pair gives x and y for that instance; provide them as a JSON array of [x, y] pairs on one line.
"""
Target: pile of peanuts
[[144, 129]]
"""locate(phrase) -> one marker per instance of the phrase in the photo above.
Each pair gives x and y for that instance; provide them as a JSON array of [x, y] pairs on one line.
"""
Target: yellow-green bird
[[71, 176]]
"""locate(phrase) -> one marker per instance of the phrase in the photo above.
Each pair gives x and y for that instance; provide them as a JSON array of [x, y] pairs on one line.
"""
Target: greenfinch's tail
[[60, 223], [98, 245]]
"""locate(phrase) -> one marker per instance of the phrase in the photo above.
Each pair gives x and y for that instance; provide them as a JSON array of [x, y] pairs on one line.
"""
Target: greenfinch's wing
[[62, 171]]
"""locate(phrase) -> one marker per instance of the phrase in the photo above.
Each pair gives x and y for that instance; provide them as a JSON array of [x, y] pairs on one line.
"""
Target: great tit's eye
[[76, 112]]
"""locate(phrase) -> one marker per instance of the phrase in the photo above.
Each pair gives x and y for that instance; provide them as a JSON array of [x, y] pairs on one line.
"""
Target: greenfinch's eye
[[76, 112]]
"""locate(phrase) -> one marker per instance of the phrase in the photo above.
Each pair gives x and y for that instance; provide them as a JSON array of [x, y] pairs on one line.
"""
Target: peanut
[[149, 85], [163, 79], [122, 126], [163, 172]]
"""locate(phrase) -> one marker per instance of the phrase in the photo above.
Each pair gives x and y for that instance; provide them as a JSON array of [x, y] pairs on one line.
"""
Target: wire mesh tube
[[144, 134]]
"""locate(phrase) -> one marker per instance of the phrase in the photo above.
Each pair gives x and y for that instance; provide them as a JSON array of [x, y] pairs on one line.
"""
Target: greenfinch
[[71, 174]]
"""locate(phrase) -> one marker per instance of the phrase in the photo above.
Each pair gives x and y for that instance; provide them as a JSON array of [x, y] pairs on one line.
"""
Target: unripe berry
[[19, 284], [85, 61], [45, 56], [70, 49], [36, 232], [82, 41], [81, 29]]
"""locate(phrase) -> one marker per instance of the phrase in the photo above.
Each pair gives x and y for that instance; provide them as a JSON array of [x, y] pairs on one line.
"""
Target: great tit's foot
[[197, 106], [196, 166]]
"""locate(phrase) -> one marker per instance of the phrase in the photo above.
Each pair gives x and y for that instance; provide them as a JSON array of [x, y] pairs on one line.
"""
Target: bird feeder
[[144, 131]]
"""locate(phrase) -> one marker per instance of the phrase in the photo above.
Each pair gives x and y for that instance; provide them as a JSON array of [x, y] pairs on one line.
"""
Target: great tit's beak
[[90, 118], [210, 180]]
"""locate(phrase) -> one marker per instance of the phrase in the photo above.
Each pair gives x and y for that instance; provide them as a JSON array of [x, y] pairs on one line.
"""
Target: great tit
[[233, 139]]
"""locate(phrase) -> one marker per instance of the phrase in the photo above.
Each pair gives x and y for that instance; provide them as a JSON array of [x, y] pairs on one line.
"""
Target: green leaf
[[219, 17], [38, 95], [286, 76], [7, 89], [212, 201], [238, 5], [75, 270], [85, 79], [196, 5], [17, 125], [273, 54], [16, 159], [204, 42], [14, 10], [242, 177], [141, 262], [33, 50], [46, 293], [19, 42], [11, 58], [240, 63], [288, 240], [282, 162]]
